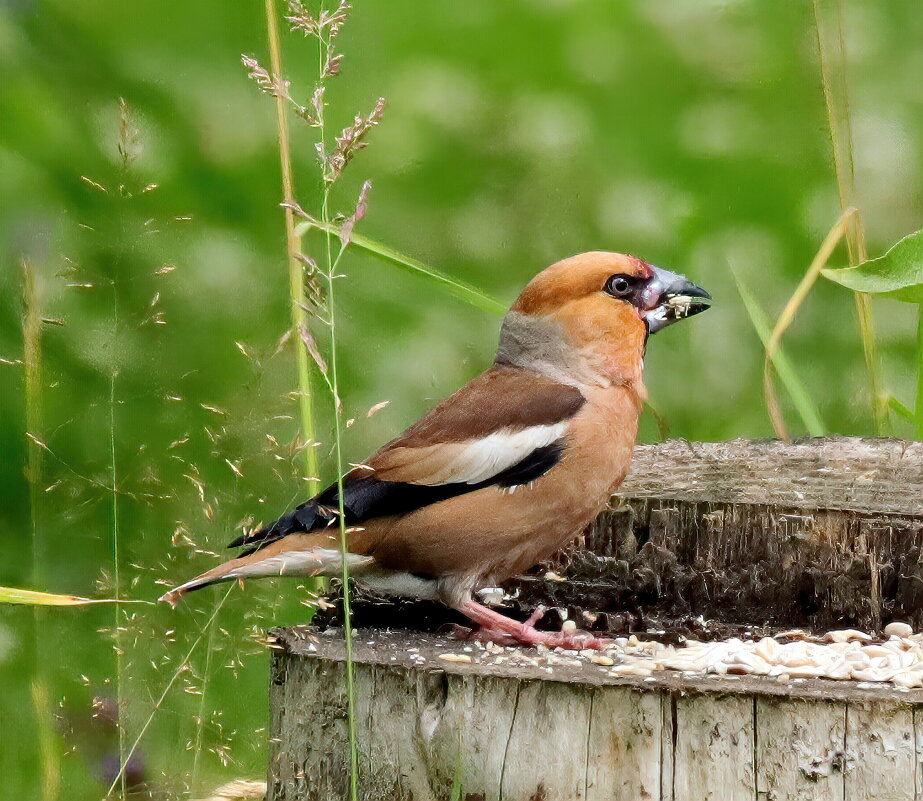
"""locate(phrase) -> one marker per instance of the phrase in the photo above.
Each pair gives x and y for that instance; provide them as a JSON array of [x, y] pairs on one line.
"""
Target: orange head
[[587, 318]]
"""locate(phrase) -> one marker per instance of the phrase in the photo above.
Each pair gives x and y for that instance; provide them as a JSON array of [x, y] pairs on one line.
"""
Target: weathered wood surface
[[849, 473], [427, 725], [820, 533]]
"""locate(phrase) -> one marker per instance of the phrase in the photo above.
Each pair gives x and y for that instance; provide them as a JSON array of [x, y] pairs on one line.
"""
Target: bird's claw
[[528, 635]]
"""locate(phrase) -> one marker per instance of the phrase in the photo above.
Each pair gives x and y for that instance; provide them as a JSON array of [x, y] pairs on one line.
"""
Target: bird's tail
[[313, 554]]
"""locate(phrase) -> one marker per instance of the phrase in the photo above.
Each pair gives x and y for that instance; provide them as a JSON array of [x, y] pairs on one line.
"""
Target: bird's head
[[589, 316]]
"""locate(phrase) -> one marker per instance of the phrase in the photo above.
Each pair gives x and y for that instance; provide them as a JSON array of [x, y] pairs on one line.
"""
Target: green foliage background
[[691, 134]]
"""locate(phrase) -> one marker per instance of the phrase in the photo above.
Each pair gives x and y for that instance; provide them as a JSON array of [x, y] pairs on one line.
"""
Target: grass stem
[[32, 364], [918, 410], [810, 416], [200, 717], [183, 665], [344, 549], [788, 315], [331, 268], [295, 268], [116, 558], [41, 703], [840, 127]]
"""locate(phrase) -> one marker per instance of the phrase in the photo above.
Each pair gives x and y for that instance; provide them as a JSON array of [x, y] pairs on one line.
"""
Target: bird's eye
[[619, 286]]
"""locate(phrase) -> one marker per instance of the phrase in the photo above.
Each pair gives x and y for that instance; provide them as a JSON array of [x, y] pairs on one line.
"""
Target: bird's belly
[[400, 584]]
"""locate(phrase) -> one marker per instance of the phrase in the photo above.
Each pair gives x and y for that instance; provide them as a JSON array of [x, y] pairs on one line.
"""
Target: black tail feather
[[306, 517]]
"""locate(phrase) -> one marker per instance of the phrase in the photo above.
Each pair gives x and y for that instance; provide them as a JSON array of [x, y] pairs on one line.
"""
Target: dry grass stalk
[[788, 315], [302, 283], [838, 118]]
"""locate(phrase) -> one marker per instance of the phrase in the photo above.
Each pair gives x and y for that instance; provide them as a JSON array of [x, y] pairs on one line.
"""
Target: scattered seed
[[898, 629], [846, 635], [455, 657]]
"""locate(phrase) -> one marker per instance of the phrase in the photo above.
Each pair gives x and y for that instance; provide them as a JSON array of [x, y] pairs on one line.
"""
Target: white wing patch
[[478, 460]]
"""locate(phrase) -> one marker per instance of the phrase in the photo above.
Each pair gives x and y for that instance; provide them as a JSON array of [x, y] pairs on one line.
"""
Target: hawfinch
[[508, 469]]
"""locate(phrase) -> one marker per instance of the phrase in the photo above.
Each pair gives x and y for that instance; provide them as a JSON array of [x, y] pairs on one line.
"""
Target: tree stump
[[719, 537], [433, 729]]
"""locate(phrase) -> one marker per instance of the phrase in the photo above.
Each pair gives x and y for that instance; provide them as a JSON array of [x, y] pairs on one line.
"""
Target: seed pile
[[845, 654]]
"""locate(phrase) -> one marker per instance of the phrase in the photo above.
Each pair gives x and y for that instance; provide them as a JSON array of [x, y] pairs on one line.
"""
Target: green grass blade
[[918, 412], [460, 289], [899, 409], [831, 50], [14, 595], [796, 390], [296, 276]]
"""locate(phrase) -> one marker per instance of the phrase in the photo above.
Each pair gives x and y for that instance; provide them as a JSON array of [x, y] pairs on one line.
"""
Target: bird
[[505, 471]]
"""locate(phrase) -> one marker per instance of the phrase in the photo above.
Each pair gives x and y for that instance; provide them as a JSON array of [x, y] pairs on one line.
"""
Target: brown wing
[[506, 427]]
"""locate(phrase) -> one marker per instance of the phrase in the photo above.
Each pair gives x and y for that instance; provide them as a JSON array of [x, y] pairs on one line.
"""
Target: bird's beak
[[669, 297]]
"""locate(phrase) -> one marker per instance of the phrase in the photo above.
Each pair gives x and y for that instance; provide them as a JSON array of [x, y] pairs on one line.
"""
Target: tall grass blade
[[49, 756], [840, 127], [791, 309], [116, 558], [807, 411], [47, 741], [293, 251], [455, 286], [341, 511], [663, 425], [200, 716], [900, 410], [918, 411], [331, 264], [32, 364], [458, 773], [332, 163]]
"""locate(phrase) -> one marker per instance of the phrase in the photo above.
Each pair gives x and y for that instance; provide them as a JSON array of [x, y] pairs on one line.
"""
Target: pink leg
[[504, 630]]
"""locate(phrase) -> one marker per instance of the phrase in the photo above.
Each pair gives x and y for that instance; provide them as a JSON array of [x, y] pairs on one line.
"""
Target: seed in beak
[[682, 304]]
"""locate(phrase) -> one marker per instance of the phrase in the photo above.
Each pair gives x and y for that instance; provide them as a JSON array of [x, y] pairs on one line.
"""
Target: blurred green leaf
[[898, 274]]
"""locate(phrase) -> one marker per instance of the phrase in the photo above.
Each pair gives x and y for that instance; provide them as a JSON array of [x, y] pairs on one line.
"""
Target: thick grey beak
[[669, 297]]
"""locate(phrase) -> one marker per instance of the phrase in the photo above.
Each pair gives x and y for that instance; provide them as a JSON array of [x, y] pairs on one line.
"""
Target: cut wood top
[[850, 473], [426, 652]]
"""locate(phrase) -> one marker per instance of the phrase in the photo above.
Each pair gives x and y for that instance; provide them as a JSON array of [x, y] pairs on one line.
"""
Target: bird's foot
[[486, 632], [497, 628], [481, 634]]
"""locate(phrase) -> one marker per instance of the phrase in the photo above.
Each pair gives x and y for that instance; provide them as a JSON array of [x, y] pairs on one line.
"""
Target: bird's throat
[[540, 343]]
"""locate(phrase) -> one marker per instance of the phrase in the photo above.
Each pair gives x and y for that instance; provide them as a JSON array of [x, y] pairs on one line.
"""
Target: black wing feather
[[367, 497]]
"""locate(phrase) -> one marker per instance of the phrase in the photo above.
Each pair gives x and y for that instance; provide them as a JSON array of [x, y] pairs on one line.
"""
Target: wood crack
[[509, 737], [589, 739]]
